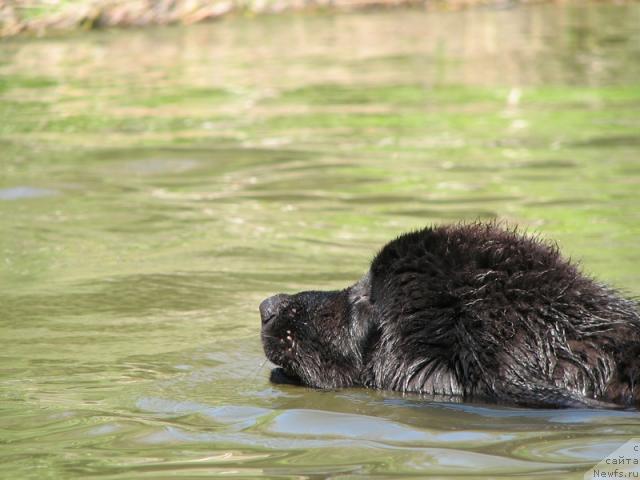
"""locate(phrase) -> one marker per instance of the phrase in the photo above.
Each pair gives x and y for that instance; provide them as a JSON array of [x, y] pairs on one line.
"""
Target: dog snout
[[270, 307]]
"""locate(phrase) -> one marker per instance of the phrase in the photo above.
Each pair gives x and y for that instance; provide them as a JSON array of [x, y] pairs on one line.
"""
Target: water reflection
[[17, 193]]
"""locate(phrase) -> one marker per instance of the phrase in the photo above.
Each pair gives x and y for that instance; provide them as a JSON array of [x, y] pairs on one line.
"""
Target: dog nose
[[270, 307]]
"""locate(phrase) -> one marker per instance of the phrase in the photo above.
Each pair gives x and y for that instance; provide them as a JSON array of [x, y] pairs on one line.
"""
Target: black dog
[[467, 311]]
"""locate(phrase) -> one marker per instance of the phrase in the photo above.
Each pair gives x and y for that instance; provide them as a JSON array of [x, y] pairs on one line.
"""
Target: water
[[155, 185]]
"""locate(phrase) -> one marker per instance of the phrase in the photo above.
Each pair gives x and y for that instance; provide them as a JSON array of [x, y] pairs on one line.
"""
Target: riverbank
[[40, 17]]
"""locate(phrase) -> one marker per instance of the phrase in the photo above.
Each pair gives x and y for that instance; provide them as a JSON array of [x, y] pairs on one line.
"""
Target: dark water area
[[155, 185]]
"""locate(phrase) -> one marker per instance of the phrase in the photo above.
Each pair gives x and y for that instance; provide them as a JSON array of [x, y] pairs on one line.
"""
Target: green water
[[155, 185]]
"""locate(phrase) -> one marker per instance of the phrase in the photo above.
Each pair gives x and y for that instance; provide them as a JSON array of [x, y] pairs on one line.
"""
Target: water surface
[[155, 185]]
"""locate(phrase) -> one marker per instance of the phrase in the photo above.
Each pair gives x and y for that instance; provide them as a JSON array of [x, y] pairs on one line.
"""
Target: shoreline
[[44, 17]]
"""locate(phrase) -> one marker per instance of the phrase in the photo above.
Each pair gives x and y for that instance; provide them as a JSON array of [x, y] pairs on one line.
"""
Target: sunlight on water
[[155, 185]]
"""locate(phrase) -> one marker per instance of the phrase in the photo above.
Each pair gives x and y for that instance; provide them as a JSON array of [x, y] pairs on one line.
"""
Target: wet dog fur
[[472, 312]]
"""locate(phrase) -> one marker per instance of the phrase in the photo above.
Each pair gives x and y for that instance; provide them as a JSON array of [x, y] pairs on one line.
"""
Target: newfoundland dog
[[474, 312]]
